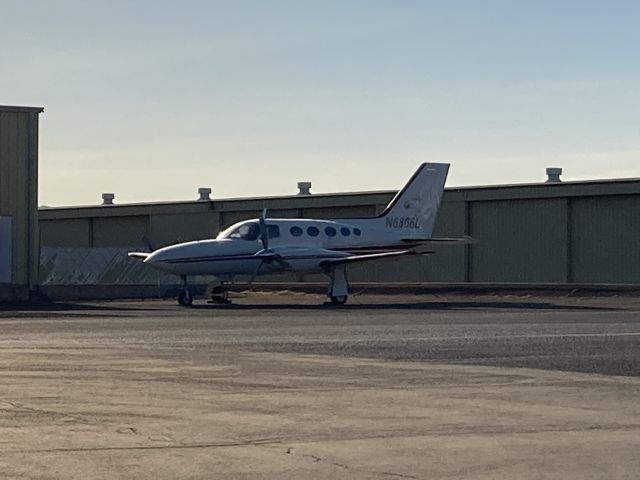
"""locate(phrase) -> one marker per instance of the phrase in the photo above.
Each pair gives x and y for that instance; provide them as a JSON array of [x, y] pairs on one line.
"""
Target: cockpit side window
[[248, 231]]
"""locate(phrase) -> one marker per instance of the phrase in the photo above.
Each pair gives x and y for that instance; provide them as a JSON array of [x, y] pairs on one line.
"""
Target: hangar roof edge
[[546, 185], [20, 109], [467, 188], [228, 199]]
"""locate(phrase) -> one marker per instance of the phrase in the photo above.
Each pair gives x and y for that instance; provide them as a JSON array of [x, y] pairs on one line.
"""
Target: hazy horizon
[[151, 100]]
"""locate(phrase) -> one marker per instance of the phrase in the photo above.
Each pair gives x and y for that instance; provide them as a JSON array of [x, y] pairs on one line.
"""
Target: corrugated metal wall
[[578, 232], [605, 243], [19, 189], [519, 241]]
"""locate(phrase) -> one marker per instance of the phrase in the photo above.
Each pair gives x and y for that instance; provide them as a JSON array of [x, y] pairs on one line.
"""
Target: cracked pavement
[[278, 387]]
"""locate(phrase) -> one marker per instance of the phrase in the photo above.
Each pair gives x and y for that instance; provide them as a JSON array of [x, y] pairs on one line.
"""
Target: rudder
[[412, 212]]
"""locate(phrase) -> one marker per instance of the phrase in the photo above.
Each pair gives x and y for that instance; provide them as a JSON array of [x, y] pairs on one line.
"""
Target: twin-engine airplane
[[274, 245]]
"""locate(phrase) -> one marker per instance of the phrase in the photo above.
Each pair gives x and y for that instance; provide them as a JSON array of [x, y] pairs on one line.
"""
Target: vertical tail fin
[[412, 212]]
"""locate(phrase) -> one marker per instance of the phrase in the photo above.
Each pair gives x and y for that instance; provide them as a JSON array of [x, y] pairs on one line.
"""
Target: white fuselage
[[304, 242], [264, 245]]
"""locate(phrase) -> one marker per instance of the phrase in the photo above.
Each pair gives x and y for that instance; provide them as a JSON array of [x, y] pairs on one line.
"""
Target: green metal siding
[[120, 232], [519, 241], [449, 262], [606, 239], [19, 189], [66, 232], [344, 211], [170, 229], [229, 218], [581, 232], [413, 269], [13, 153], [283, 213]]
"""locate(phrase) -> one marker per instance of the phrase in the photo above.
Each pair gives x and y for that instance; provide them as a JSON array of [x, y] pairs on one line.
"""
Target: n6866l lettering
[[410, 223]]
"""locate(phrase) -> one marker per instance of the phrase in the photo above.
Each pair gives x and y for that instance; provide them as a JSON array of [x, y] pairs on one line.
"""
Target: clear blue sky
[[152, 99]]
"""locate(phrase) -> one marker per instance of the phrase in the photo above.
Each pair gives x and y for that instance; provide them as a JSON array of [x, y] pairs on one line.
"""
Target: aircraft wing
[[139, 255], [368, 257]]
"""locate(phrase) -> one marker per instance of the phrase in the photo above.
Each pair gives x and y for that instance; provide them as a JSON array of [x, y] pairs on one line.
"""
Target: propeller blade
[[269, 257], [256, 272], [282, 262], [147, 243], [264, 233]]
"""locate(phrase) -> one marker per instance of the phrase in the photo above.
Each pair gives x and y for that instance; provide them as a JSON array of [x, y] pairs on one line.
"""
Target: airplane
[[273, 245]]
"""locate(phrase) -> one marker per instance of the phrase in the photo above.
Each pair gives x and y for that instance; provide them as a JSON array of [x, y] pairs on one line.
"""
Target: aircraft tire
[[185, 298], [339, 300]]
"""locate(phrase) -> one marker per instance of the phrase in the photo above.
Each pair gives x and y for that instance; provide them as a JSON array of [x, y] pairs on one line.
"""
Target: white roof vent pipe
[[304, 188], [107, 198], [553, 175], [204, 194]]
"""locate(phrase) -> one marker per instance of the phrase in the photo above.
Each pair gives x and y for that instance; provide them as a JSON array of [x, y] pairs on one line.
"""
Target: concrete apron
[[99, 413]]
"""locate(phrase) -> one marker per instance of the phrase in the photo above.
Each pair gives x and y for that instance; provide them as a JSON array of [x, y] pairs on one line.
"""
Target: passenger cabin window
[[345, 231], [248, 231], [295, 231], [313, 231], [330, 231], [357, 232]]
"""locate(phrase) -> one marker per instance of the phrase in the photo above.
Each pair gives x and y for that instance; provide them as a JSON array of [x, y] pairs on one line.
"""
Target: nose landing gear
[[185, 298]]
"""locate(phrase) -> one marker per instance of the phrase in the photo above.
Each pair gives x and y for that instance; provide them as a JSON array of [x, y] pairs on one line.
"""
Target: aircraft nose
[[161, 259], [150, 259], [156, 258]]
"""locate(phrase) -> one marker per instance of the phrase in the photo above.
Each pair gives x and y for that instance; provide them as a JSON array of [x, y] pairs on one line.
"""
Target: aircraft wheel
[[185, 298], [339, 300]]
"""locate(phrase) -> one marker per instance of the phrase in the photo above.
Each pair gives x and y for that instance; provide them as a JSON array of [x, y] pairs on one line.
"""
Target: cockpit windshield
[[249, 231], [246, 231]]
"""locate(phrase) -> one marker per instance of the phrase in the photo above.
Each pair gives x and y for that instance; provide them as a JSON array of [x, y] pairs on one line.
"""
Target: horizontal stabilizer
[[466, 240], [140, 255]]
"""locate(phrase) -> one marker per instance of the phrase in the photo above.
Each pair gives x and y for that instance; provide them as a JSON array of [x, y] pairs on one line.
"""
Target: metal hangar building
[[19, 233]]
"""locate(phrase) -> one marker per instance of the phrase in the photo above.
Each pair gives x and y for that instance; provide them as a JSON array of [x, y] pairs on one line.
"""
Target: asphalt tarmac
[[281, 386]]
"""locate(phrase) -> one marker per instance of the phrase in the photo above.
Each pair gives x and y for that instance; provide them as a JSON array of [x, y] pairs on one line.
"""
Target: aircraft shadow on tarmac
[[439, 305], [86, 306]]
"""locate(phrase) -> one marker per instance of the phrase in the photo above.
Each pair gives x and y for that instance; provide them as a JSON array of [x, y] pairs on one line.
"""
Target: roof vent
[[553, 175], [204, 194], [304, 188], [107, 198]]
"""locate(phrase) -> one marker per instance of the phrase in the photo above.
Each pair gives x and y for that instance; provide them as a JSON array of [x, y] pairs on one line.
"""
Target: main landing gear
[[220, 294], [338, 285], [185, 298]]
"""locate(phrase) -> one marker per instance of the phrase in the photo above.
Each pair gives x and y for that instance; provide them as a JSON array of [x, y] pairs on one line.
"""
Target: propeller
[[268, 258], [266, 255], [147, 243], [264, 231], [255, 273], [264, 238]]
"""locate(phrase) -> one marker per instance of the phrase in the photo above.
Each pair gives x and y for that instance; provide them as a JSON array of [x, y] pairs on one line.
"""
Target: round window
[[295, 231], [330, 231], [345, 231], [313, 231], [357, 232]]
